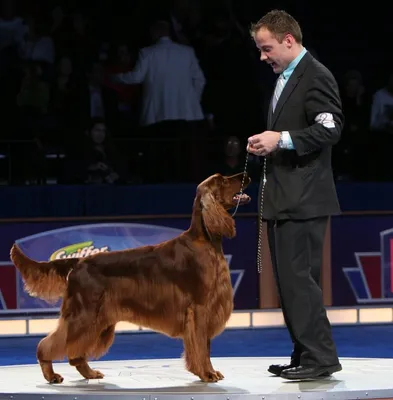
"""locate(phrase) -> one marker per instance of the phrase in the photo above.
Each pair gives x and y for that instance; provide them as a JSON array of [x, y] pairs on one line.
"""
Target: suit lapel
[[288, 89]]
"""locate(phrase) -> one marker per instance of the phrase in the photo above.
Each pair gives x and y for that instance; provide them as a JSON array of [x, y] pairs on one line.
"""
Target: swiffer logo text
[[78, 250]]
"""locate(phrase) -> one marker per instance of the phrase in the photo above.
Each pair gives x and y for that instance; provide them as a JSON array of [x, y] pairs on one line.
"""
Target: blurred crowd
[[94, 95]]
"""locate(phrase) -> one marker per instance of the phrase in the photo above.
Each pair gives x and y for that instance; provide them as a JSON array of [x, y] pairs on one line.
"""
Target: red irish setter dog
[[181, 288]]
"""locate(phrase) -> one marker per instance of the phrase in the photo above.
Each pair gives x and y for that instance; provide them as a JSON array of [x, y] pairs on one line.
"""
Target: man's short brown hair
[[279, 23]]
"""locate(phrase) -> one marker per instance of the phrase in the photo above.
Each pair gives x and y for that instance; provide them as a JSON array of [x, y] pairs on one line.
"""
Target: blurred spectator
[[33, 97], [95, 100], [63, 115], [103, 163], [173, 83], [349, 153], [64, 92], [12, 28], [128, 96], [59, 30], [81, 43], [172, 79], [382, 108], [232, 160], [381, 125], [228, 62], [36, 45], [95, 159]]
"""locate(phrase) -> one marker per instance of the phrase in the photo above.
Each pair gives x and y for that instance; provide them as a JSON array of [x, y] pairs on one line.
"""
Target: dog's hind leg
[[197, 346], [104, 341], [81, 364], [52, 347], [80, 346], [87, 346]]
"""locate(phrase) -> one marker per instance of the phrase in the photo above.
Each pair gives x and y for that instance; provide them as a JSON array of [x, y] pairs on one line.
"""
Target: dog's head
[[216, 195]]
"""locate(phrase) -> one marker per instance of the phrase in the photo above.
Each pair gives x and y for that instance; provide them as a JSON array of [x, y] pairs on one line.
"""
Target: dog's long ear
[[215, 218]]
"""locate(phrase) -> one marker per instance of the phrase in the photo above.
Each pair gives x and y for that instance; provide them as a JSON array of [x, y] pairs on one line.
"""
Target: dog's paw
[[96, 375], [212, 376], [220, 375], [56, 378]]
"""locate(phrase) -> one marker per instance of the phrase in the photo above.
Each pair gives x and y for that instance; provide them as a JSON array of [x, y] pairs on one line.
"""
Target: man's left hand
[[264, 143]]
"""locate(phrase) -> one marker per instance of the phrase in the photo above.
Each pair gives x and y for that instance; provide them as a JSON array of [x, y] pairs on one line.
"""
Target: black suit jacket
[[300, 182]]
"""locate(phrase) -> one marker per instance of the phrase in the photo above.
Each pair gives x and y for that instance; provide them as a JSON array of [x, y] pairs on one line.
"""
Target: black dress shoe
[[276, 369], [310, 371]]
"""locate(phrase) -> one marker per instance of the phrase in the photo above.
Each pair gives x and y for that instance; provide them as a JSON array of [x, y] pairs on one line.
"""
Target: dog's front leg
[[197, 346], [219, 374]]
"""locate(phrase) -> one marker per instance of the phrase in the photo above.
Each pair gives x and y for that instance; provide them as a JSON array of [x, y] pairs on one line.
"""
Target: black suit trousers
[[296, 248]]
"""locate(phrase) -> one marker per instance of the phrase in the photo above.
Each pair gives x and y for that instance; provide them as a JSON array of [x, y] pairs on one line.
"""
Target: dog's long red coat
[[181, 288]]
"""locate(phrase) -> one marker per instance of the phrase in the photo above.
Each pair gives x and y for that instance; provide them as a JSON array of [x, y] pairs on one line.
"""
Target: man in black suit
[[304, 122]]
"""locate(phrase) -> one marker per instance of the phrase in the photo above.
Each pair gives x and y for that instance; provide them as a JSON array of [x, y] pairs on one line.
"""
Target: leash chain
[[242, 186], [260, 212]]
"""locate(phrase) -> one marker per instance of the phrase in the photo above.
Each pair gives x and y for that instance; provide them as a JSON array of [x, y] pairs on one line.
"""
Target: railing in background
[[8, 159], [137, 151]]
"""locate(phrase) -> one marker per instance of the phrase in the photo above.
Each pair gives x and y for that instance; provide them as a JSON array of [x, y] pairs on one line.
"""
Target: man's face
[[98, 133], [277, 55], [232, 147]]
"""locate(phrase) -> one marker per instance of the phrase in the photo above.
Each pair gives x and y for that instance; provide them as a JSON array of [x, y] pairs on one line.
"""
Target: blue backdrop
[[361, 259], [43, 241]]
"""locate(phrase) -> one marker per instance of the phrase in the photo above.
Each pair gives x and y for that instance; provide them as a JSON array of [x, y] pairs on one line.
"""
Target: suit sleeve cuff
[[286, 141]]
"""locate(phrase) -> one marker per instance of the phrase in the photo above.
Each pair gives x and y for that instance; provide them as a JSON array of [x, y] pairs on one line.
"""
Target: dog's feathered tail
[[46, 280]]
